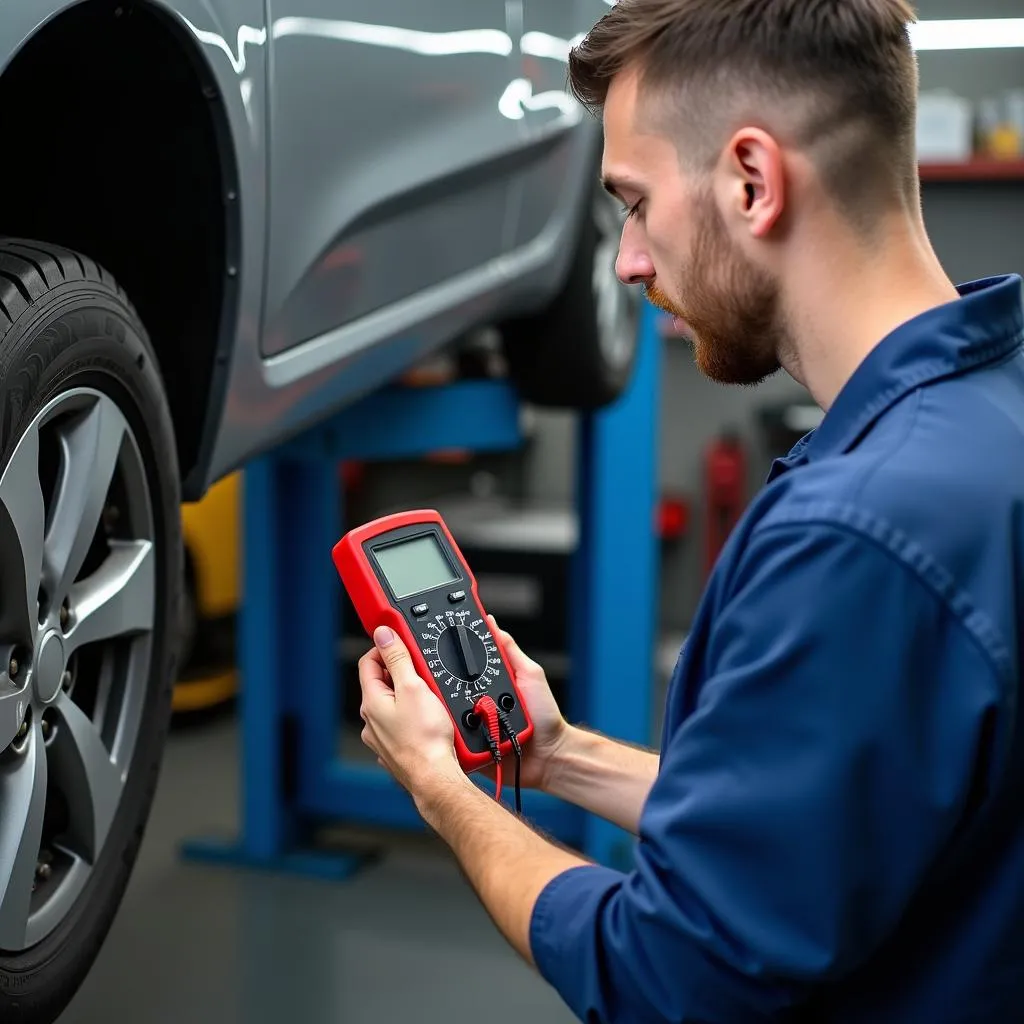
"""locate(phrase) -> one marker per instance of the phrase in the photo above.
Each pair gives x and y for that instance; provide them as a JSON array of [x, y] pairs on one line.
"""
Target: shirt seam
[[926, 372], [911, 421], [922, 564]]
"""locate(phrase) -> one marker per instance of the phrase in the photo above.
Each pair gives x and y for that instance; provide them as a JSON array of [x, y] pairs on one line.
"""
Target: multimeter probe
[[405, 571]]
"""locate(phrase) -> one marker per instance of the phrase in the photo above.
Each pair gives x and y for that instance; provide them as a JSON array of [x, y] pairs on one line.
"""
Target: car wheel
[[90, 576], [188, 628], [579, 353]]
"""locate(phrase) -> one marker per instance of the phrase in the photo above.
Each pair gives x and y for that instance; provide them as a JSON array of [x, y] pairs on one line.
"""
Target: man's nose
[[633, 265]]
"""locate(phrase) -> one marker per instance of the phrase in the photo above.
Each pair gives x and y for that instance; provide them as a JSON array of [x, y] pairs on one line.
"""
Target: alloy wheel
[[77, 610]]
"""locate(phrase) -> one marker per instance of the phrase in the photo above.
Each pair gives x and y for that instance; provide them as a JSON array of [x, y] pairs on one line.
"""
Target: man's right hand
[[606, 777], [550, 729]]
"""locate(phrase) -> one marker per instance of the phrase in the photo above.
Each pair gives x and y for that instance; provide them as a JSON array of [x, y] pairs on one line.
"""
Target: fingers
[[395, 657], [373, 677], [371, 666], [369, 738]]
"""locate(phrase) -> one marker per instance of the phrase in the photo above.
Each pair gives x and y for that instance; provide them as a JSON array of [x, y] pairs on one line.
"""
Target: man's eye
[[630, 211]]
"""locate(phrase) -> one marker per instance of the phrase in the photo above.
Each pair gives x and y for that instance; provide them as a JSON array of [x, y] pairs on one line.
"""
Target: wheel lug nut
[[64, 614], [13, 668], [22, 732], [66, 680]]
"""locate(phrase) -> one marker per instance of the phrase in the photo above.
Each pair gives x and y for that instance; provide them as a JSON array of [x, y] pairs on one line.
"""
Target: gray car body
[[404, 170]]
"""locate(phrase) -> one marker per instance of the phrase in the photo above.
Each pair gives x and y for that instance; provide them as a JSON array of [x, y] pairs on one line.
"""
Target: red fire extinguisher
[[725, 474]]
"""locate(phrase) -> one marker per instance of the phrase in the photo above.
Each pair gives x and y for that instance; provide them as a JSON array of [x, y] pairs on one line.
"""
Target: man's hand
[[603, 776], [550, 728], [406, 725]]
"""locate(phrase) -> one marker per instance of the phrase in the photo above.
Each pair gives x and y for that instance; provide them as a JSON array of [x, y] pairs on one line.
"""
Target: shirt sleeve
[[829, 757]]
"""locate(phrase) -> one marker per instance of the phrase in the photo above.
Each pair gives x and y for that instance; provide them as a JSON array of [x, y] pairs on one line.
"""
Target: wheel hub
[[50, 664], [76, 616]]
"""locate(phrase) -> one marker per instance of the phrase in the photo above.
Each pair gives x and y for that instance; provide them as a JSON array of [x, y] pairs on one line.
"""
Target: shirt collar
[[986, 323]]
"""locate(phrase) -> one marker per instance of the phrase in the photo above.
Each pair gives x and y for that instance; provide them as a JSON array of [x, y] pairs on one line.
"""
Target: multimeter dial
[[461, 653]]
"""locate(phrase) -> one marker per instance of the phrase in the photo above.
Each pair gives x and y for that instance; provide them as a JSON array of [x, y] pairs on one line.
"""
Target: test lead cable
[[506, 722], [487, 713]]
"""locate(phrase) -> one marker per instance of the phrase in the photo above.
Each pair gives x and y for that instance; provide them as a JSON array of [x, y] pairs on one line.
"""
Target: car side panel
[[388, 155], [263, 402], [551, 117]]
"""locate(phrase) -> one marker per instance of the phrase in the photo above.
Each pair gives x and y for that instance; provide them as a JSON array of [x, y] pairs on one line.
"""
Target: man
[[834, 827]]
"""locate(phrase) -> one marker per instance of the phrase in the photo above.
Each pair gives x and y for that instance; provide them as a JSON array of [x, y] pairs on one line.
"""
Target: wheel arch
[[124, 152]]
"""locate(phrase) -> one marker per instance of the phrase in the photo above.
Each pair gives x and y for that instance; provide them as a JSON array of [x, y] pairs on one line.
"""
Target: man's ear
[[754, 185]]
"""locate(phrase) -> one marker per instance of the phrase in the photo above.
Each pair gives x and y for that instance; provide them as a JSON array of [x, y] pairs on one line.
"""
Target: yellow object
[[205, 692], [1005, 143], [210, 530]]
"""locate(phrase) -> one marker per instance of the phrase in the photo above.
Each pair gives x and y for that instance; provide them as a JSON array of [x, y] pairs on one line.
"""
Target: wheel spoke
[[22, 521], [87, 776], [22, 809], [12, 712], [90, 447], [116, 600]]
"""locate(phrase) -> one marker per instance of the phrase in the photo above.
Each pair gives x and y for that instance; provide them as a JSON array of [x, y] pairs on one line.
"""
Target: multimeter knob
[[462, 653]]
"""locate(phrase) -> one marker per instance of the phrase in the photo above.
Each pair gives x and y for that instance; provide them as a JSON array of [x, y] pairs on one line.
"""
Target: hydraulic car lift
[[294, 777]]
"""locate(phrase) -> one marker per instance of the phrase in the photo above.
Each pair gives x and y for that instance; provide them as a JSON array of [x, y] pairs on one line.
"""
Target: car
[[218, 228]]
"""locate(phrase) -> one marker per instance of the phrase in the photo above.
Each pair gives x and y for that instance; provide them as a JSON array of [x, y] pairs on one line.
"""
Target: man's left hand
[[406, 726]]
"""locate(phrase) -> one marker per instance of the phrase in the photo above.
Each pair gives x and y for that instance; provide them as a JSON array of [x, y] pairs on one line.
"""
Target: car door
[[388, 155]]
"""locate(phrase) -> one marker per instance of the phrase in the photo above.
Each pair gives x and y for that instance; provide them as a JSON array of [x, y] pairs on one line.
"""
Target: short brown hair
[[841, 73]]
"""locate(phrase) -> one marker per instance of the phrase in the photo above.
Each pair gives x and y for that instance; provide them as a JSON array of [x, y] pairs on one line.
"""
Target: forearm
[[603, 776], [506, 862]]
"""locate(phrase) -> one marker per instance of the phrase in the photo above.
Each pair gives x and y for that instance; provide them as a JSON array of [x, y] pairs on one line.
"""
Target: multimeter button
[[421, 609], [459, 595]]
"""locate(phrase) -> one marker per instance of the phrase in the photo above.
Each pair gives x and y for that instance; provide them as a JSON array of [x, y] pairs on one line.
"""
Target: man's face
[[675, 242]]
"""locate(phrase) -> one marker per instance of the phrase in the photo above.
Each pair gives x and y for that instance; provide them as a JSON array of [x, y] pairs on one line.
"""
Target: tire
[[188, 629], [76, 367], [580, 351]]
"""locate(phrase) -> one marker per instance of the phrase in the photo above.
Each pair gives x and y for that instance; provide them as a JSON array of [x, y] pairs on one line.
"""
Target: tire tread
[[31, 269]]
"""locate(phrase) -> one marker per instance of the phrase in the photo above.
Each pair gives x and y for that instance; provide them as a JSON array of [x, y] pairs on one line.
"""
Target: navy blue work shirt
[[836, 833]]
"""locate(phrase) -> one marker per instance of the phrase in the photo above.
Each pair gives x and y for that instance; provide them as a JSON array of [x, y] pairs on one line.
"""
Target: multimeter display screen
[[412, 566]]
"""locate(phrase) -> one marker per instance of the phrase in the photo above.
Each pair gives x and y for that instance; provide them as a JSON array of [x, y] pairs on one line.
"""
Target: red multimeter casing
[[406, 571]]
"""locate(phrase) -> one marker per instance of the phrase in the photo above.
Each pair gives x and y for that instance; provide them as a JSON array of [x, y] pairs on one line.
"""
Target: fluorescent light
[[968, 34]]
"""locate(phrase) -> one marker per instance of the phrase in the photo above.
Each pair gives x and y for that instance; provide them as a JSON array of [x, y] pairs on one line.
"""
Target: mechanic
[[833, 829]]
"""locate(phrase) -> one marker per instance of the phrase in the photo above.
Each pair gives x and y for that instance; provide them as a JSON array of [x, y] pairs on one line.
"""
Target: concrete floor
[[405, 940]]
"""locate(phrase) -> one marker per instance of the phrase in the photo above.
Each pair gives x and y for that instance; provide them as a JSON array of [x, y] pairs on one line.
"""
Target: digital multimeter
[[406, 571]]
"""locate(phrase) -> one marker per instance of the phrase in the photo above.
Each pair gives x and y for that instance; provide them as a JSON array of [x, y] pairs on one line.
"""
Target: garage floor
[[404, 941]]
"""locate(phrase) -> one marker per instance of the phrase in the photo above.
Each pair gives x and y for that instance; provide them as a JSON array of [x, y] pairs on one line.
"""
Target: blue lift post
[[294, 775]]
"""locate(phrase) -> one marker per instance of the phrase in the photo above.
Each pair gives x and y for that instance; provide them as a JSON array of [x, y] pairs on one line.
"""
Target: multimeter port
[[506, 702], [471, 720]]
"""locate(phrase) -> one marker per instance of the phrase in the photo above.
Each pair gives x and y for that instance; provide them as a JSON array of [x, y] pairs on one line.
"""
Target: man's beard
[[731, 307]]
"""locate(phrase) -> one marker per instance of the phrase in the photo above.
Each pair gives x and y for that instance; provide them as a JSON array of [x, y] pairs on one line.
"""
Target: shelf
[[974, 170]]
